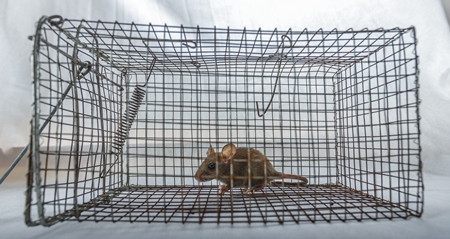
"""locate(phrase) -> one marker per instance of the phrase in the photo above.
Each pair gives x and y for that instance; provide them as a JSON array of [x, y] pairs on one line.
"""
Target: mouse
[[232, 163]]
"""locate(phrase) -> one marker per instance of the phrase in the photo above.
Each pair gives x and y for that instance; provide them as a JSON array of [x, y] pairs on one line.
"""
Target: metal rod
[[52, 113], [25, 149], [13, 165]]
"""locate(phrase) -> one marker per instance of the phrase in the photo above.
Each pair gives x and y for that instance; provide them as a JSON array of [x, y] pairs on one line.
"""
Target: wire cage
[[124, 114]]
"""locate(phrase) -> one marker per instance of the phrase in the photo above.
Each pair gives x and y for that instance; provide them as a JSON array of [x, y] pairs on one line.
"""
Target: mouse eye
[[212, 165]]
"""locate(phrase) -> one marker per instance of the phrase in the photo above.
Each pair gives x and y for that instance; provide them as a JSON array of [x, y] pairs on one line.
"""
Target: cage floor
[[272, 205]]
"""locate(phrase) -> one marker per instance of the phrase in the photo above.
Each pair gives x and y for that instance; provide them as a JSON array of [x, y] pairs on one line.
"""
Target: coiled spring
[[127, 119]]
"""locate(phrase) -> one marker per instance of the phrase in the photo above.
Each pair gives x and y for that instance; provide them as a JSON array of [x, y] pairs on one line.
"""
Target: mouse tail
[[297, 177]]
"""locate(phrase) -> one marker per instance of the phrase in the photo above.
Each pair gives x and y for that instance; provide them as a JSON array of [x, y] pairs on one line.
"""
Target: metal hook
[[193, 42], [270, 102], [290, 41], [51, 20], [281, 57], [151, 70], [196, 64]]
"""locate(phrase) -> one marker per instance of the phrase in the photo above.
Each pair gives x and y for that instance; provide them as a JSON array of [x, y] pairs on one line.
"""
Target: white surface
[[17, 22], [433, 224]]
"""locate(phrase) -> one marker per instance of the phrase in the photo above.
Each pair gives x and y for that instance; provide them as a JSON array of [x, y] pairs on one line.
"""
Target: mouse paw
[[257, 188], [247, 191], [223, 189]]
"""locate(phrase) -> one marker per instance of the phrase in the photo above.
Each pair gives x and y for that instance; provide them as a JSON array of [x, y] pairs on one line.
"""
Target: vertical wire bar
[[321, 51], [350, 141], [216, 87], [420, 185], [164, 139], [345, 125], [294, 145], [325, 84], [51, 115], [335, 82], [154, 120], [388, 133], [405, 126], [229, 110], [273, 40], [379, 112], [326, 70], [246, 103], [134, 106], [197, 133], [199, 111], [132, 140], [58, 140], [281, 70], [171, 104], [102, 117], [76, 130], [310, 136], [407, 181], [360, 113], [31, 183], [182, 139], [366, 94], [261, 52], [115, 117], [127, 118], [372, 130], [355, 145], [366, 77], [256, 45], [148, 112], [352, 116], [252, 41], [398, 116]]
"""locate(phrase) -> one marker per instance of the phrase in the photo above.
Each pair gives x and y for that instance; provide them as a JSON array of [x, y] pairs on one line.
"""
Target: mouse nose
[[198, 177]]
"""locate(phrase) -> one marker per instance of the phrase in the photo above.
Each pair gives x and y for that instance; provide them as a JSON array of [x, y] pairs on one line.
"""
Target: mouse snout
[[198, 177]]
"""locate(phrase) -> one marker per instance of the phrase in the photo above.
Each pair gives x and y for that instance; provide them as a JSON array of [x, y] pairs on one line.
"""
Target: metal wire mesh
[[123, 115]]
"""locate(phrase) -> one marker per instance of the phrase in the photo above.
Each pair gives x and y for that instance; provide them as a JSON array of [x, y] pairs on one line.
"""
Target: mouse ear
[[210, 150], [228, 151]]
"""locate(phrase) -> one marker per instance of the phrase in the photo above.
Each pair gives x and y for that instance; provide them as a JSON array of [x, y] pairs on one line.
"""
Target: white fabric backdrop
[[17, 22]]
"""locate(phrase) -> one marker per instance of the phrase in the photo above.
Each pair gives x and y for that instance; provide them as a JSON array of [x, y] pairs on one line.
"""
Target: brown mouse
[[232, 163]]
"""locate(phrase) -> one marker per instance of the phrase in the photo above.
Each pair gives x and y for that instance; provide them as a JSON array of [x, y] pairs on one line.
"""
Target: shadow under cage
[[124, 114]]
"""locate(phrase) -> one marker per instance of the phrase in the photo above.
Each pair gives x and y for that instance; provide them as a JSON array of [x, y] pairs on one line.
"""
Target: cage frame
[[314, 192]]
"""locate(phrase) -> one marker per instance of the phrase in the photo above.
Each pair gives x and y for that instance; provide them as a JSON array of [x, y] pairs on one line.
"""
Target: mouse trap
[[123, 115]]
